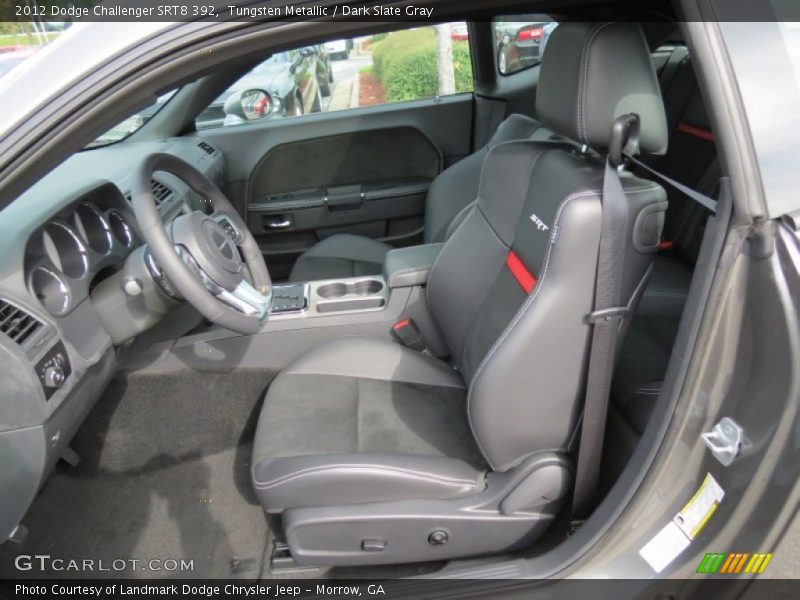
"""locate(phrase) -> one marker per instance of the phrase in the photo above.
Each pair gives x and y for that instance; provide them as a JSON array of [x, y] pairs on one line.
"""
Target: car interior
[[352, 343]]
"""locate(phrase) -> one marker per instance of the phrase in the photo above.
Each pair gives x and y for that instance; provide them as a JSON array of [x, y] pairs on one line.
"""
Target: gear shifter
[[292, 297]]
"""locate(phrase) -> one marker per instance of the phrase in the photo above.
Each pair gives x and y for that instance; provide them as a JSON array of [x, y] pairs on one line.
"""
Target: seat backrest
[[456, 188], [512, 287]]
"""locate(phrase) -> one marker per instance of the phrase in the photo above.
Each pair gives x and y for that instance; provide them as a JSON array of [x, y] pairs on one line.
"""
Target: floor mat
[[164, 477]]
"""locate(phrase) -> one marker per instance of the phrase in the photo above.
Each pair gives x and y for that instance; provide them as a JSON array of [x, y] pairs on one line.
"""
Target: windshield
[[132, 124], [277, 58]]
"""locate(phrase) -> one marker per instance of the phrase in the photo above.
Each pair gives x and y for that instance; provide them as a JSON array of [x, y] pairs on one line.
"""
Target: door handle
[[277, 223]]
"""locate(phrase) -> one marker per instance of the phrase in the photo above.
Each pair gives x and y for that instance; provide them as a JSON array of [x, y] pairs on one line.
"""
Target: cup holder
[[361, 294], [332, 290], [364, 287], [367, 287]]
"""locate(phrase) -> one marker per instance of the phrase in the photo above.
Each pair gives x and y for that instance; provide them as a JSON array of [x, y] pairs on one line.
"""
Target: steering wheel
[[212, 260]]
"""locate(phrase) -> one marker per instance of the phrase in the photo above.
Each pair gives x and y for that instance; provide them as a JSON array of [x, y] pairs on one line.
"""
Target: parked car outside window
[[293, 83], [342, 74], [520, 44]]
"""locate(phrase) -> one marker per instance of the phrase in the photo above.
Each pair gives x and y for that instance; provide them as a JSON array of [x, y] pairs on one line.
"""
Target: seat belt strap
[[606, 319], [671, 68], [701, 199]]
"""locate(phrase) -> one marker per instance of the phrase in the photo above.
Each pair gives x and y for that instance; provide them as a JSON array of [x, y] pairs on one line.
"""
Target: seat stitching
[[585, 73], [483, 215], [398, 471], [644, 388], [287, 372], [450, 230], [665, 294], [532, 297], [581, 83]]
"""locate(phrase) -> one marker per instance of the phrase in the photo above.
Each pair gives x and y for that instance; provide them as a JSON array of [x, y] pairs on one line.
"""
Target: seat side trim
[[366, 469]]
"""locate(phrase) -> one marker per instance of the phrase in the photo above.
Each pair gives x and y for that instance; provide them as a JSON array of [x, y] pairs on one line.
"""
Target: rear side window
[[520, 41], [341, 74]]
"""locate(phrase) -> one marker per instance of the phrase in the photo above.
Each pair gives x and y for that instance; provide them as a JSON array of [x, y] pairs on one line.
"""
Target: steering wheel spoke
[[247, 299], [243, 296]]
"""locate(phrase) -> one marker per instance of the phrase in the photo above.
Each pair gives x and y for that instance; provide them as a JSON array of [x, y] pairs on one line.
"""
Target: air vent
[[207, 148], [161, 192], [16, 323]]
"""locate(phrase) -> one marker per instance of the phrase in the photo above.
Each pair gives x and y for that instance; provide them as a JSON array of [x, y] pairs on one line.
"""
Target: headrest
[[592, 73]]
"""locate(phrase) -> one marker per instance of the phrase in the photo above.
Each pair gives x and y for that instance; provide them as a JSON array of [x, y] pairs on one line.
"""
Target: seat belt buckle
[[607, 314], [409, 335]]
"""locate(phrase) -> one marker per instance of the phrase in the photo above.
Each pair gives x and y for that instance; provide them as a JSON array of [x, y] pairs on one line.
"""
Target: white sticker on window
[[676, 535], [665, 547]]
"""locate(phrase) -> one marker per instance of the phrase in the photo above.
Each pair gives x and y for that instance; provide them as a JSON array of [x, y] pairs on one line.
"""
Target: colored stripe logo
[[525, 278], [733, 563]]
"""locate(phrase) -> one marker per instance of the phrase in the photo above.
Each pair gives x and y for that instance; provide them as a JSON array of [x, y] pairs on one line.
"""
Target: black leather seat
[[375, 453], [453, 191]]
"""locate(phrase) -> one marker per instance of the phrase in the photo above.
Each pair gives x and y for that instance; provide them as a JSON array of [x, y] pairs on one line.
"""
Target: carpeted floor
[[164, 475]]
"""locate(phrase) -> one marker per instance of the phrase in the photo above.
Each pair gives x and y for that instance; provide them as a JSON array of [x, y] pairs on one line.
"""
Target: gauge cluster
[[67, 255]]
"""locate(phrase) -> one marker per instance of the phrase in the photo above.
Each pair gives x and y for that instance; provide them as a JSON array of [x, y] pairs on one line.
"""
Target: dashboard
[[62, 240]]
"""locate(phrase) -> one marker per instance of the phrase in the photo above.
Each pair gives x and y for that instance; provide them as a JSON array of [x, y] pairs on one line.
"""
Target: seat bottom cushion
[[351, 433], [338, 256]]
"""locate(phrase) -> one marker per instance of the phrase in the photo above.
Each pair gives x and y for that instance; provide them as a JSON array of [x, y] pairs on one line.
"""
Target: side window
[[520, 41], [410, 64]]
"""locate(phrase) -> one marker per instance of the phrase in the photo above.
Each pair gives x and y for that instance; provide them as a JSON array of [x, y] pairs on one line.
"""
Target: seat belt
[[671, 68], [606, 317], [701, 199], [679, 88]]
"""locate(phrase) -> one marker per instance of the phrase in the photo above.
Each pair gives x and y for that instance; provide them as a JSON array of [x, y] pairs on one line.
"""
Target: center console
[[305, 315], [402, 268], [357, 294]]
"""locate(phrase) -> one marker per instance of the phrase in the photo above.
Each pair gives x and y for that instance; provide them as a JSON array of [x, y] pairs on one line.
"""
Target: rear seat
[[692, 160]]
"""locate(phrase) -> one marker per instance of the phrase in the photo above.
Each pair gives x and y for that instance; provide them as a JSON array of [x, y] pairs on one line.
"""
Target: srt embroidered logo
[[539, 223]]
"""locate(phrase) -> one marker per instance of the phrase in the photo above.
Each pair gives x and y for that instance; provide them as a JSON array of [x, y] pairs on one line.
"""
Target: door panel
[[348, 158], [362, 171]]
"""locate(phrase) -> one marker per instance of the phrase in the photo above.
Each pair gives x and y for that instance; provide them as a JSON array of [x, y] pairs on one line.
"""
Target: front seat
[[450, 194], [375, 453]]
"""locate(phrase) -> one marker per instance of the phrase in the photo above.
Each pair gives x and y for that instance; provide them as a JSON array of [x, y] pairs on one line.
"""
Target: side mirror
[[248, 105]]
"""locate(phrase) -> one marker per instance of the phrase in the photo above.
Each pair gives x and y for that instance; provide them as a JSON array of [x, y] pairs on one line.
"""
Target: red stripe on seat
[[524, 278], [703, 134]]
